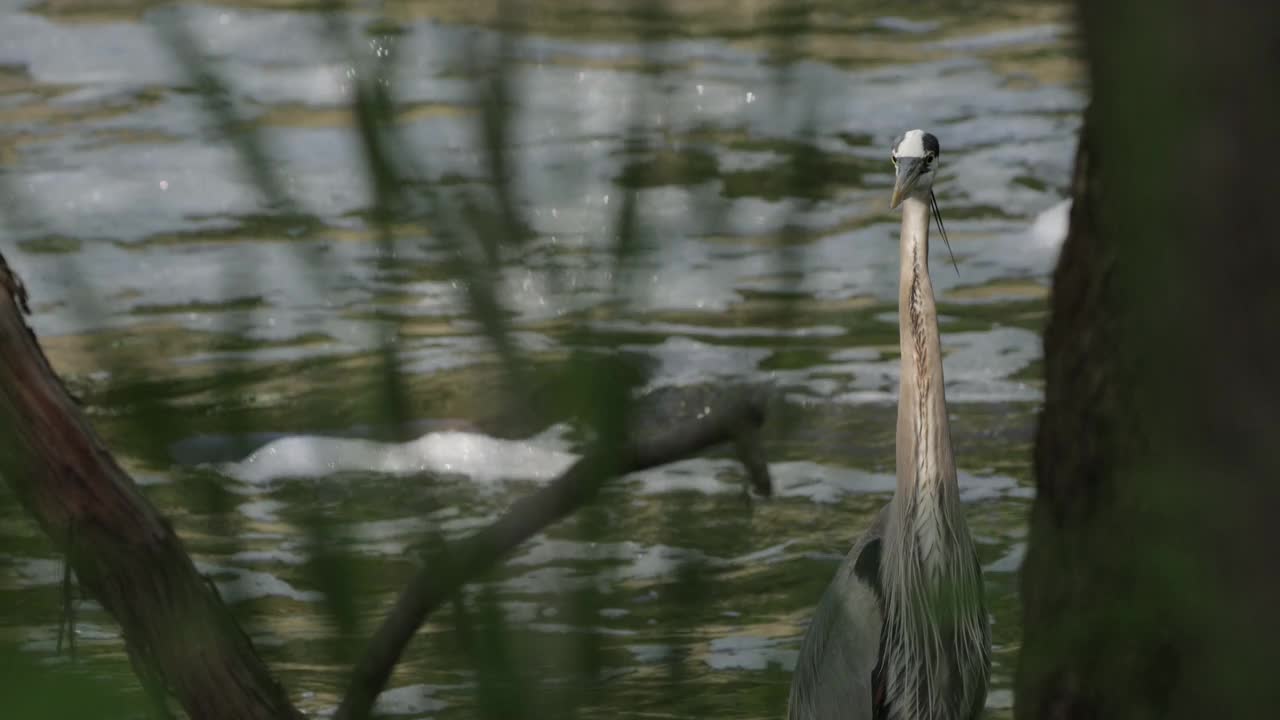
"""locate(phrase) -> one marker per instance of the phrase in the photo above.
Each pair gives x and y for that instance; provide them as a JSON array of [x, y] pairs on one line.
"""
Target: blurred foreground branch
[[735, 420]]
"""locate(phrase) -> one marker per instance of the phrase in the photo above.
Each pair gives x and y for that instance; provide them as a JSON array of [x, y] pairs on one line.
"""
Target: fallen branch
[[735, 420]]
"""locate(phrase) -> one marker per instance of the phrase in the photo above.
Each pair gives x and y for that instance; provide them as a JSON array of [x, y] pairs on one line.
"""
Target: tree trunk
[[1151, 580], [180, 637]]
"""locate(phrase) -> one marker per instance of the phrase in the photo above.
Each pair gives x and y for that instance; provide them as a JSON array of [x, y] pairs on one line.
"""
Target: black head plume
[[937, 216]]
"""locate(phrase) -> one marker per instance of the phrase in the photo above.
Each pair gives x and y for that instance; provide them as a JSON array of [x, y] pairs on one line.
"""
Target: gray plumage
[[901, 633]]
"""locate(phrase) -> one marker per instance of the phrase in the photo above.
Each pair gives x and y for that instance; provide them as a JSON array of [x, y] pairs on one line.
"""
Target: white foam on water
[[480, 457], [1049, 228], [542, 458], [409, 700]]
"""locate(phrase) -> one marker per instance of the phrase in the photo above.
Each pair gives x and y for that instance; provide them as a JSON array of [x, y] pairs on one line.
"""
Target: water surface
[[165, 287]]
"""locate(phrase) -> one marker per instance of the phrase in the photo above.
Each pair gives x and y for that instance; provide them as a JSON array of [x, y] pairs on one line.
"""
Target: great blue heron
[[901, 633]]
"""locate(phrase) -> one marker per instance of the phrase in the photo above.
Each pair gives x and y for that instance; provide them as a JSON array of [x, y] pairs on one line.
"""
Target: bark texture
[[181, 638], [1152, 578]]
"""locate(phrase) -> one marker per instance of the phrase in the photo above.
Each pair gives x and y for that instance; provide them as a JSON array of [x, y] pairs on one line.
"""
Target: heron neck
[[926, 469]]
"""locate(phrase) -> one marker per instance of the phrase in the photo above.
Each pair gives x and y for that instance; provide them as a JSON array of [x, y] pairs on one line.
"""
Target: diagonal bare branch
[[735, 420]]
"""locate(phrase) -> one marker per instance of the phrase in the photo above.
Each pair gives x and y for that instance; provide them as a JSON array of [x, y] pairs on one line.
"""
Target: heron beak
[[908, 172]]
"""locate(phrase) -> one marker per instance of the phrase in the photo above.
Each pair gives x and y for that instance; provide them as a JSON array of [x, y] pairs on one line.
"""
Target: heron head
[[915, 158]]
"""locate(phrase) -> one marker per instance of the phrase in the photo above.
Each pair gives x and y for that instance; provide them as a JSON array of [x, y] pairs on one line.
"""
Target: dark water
[[197, 324]]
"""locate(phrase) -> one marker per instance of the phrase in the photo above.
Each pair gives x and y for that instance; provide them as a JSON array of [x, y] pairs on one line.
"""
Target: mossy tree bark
[[1151, 587], [182, 640]]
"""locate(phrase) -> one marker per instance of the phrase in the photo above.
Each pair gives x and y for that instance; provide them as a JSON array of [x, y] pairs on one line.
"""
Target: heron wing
[[839, 653]]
